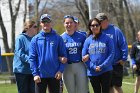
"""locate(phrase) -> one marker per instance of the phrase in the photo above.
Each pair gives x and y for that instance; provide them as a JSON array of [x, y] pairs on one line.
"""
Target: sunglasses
[[46, 21], [68, 16], [95, 25]]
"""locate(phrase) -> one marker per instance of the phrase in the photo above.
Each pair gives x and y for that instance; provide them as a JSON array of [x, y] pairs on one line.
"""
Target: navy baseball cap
[[101, 16], [76, 19], [45, 17]]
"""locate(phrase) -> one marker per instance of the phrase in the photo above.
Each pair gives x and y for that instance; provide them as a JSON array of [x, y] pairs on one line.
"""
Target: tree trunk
[[13, 21], [130, 21], [83, 8], [5, 42], [25, 13], [36, 13], [120, 17]]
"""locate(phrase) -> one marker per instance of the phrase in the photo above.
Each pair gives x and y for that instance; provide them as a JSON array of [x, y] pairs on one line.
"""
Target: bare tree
[[25, 13], [83, 10], [5, 41], [119, 13], [13, 15], [130, 21]]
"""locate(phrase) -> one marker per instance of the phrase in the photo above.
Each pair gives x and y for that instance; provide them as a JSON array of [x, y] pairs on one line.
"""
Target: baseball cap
[[45, 17], [101, 16], [76, 19]]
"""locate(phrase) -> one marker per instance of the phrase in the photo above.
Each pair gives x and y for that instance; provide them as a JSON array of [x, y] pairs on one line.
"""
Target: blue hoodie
[[21, 54], [101, 53], [44, 52], [120, 44]]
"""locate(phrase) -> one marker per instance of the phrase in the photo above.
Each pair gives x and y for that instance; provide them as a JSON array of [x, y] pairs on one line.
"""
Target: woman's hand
[[85, 58], [63, 59]]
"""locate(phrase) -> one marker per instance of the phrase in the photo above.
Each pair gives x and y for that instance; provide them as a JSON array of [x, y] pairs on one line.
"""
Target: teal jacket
[[21, 54]]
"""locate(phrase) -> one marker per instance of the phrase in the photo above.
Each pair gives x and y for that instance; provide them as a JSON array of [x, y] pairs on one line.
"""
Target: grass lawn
[[11, 88], [128, 86], [8, 88]]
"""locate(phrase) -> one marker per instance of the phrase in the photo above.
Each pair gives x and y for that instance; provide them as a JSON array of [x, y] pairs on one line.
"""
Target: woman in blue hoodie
[[98, 53], [21, 68]]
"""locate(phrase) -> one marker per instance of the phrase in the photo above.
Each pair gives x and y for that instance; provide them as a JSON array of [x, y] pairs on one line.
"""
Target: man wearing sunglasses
[[46, 48], [121, 51]]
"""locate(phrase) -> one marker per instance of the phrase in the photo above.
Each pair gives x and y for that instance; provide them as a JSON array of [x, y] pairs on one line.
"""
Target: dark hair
[[27, 25], [89, 24]]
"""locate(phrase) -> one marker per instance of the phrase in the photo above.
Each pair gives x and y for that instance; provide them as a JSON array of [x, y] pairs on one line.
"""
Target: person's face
[[95, 27], [69, 24], [138, 36], [46, 25], [76, 26], [34, 29], [104, 24]]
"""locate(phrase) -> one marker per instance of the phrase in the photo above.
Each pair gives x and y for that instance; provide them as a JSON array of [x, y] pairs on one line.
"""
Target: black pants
[[54, 85], [101, 83], [25, 83], [117, 75]]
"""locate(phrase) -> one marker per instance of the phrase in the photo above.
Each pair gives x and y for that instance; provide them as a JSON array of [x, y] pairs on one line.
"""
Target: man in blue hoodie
[[121, 51], [47, 56]]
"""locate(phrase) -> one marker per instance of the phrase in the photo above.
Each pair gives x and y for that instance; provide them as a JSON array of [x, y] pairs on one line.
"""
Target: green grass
[[127, 88], [8, 88]]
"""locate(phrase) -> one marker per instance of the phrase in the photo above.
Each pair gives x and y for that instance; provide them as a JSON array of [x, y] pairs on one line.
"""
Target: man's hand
[[121, 62], [58, 75], [37, 79], [63, 59], [85, 58], [97, 69]]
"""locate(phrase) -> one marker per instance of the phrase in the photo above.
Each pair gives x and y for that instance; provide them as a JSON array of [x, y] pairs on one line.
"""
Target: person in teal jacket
[[21, 67]]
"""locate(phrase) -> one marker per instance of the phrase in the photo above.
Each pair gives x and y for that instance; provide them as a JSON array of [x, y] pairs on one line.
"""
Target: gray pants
[[75, 78]]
